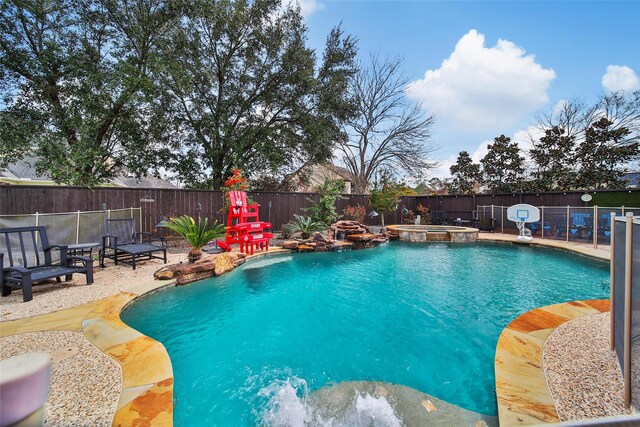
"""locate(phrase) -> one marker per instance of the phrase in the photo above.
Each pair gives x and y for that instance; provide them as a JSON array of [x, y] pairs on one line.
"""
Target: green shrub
[[325, 210], [304, 225], [197, 234]]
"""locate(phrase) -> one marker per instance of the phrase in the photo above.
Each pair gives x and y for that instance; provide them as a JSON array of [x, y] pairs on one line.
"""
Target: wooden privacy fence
[[275, 207]]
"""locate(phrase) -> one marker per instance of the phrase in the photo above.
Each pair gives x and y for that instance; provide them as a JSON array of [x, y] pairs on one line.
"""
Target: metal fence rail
[[565, 223], [625, 302], [67, 228]]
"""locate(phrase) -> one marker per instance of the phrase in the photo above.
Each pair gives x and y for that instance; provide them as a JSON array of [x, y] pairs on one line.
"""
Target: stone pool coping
[[146, 398], [434, 228], [602, 252], [147, 375], [521, 386], [434, 233]]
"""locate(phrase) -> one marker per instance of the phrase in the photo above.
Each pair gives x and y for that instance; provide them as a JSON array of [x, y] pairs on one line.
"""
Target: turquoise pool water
[[249, 347]]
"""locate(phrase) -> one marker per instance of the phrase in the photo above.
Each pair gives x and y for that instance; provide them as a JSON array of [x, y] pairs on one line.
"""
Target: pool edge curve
[[522, 391]]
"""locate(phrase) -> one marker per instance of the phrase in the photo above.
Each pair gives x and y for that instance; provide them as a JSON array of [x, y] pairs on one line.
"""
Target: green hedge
[[631, 199]]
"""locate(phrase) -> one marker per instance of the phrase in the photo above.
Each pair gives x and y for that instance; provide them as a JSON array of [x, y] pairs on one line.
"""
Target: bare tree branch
[[386, 130]]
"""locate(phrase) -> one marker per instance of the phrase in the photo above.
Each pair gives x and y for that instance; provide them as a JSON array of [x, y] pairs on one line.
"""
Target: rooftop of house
[[24, 172]]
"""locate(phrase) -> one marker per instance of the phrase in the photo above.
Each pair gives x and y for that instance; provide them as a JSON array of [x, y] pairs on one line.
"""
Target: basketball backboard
[[523, 213]]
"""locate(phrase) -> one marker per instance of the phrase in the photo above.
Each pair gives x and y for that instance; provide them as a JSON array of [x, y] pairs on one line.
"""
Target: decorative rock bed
[[205, 267], [342, 235], [355, 235]]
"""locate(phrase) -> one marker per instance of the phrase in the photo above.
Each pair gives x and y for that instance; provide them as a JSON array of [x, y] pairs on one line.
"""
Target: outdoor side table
[[81, 248]]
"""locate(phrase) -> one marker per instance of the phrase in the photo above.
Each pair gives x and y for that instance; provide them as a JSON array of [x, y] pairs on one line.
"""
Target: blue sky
[[550, 52]]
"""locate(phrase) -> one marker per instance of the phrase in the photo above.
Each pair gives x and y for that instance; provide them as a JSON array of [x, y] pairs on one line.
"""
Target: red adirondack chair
[[239, 210], [244, 226]]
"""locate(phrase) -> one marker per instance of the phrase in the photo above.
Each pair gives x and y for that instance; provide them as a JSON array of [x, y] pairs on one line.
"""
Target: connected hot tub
[[434, 233]]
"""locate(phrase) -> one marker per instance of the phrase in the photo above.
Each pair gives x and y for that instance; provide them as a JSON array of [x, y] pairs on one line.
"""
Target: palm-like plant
[[304, 225], [197, 234]]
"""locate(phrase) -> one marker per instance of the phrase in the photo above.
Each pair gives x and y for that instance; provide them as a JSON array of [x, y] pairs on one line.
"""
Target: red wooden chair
[[244, 226], [239, 210], [252, 235]]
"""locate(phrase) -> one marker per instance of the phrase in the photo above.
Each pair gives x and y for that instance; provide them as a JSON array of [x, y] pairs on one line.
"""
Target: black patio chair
[[122, 243], [28, 257], [483, 221], [439, 218]]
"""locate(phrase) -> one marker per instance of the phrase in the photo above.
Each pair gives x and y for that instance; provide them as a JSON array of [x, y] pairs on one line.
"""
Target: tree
[[385, 131], [75, 80], [553, 156], [325, 210], [622, 109], [502, 166], [465, 174], [603, 154], [242, 90], [384, 196], [422, 189], [438, 186]]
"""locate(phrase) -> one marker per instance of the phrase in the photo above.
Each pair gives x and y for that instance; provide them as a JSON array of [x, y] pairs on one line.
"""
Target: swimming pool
[[252, 346]]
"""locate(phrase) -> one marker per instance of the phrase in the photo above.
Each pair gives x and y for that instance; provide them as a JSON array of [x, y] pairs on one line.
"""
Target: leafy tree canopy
[[75, 85], [553, 156], [556, 158], [241, 89], [325, 210], [465, 174], [502, 166], [385, 194], [603, 155]]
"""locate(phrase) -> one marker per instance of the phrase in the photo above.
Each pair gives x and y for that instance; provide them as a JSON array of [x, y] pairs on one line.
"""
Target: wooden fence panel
[[278, 208]]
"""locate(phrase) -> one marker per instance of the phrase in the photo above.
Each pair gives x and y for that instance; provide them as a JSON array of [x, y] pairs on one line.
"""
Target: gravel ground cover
[[583, 373], [85, 383], [51, 296]]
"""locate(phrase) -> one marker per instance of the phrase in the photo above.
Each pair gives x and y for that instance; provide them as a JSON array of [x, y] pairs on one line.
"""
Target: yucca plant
[[197, 234], [304, 225]]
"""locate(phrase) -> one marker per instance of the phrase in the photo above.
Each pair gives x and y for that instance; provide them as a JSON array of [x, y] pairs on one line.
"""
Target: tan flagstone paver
[[147, 395], [521, 387]]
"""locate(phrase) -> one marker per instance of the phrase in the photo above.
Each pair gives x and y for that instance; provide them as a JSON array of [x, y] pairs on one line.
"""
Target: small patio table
[[81, 248]]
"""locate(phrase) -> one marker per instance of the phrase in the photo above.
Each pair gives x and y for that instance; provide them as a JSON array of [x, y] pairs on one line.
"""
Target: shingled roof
[[25, 170]]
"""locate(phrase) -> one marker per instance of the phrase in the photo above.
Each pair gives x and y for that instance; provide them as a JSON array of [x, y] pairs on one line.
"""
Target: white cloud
[[481, 88], [307, 7], [442, 170], [559, 107], [481, 151], [619, 78], [524, 138]]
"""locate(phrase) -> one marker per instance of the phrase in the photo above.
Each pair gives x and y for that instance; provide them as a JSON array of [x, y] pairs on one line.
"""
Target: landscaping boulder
[[392, 234], [165, 273], [223, 264], [321, 246], [362, 237], [290, 244], [201, 269], [205, 267]]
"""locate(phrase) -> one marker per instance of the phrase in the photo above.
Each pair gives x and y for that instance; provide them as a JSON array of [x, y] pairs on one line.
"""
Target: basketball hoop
[[522, 214]]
